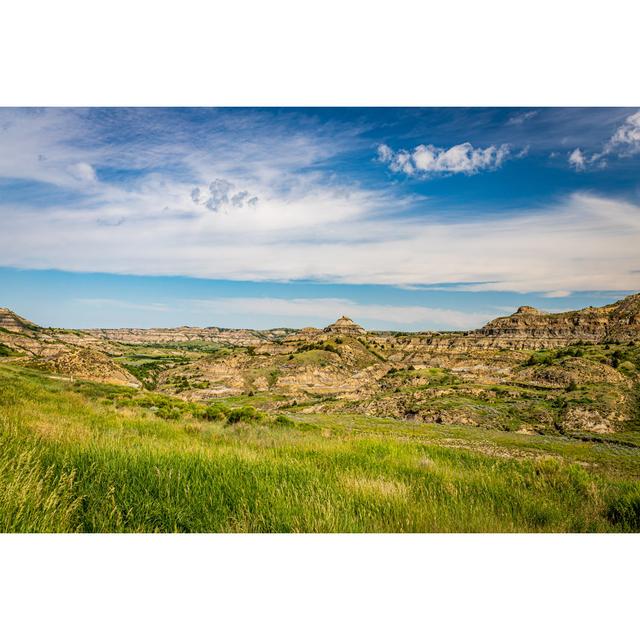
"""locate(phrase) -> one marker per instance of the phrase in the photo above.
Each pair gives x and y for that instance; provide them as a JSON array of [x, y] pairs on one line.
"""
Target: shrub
[[625, 512], [272, 378], [244, 414], [214, 413], [4, 350], [283, 421], [626, 367], [169, 413]]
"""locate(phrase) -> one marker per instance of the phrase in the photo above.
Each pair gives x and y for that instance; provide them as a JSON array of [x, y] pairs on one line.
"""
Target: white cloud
[[83, 171], [106, 303], [222, 195], [577, 159], [34, 145], [428, 159], [305, 227], [559, 293], [334, 235], [624, 142], [219, 194], [626, 139], [328, 309], [385, 153]]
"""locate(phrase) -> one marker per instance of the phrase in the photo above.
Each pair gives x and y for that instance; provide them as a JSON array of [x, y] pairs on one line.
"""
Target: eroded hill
[[533, 372]]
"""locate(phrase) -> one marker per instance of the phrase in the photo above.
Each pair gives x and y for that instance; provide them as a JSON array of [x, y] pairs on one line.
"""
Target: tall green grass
[[78, 457]]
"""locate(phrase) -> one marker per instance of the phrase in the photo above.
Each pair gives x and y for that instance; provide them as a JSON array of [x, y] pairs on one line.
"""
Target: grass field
[[77, 456]]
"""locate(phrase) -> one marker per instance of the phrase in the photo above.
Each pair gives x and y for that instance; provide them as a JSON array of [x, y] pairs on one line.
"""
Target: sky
[[401, 218]]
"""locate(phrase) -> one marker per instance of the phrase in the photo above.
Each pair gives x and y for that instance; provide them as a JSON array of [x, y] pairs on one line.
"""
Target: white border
[[135, 52], [335, 52], [303, 586]]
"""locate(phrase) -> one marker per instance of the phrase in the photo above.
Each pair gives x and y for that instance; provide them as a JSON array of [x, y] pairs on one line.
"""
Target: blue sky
[[401, 218]]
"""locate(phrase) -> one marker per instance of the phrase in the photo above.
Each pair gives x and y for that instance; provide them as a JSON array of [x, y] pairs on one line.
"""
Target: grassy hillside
[[78, 456]]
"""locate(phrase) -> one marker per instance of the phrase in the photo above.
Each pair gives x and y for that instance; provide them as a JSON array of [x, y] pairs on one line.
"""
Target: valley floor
[[89, 457]]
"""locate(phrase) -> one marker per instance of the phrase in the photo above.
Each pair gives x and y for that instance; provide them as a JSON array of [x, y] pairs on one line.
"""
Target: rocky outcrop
[[238, 337], [88, 364], [528, 326], [10, 321], [345, 326], [446, 377], [71, 354]]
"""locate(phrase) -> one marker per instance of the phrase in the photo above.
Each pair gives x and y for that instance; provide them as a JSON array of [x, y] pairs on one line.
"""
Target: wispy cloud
[[106, 303], [624, 142], [584, 243], [328, 309], [309, 224], [521, 118]]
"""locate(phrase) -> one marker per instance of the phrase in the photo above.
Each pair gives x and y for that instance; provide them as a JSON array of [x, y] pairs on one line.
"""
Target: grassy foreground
[[99, 458]]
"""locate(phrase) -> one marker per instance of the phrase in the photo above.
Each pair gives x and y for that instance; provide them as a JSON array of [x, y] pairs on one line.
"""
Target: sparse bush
[[615, 359], [245, 414], [625, 511], [283, 421], [626, 367], [169, 413], [4, 350], [214, 413], [272, 378]]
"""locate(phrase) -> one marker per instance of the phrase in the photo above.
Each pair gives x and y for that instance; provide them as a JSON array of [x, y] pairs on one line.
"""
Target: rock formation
[[12, 321], [614, 322], [345, 326], [489, 377]]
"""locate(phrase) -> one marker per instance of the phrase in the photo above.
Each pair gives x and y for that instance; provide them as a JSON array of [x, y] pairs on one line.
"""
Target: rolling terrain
[[531, 423]]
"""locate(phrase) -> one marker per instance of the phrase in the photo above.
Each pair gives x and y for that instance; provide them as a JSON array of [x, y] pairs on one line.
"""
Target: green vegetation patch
[[87, 457]]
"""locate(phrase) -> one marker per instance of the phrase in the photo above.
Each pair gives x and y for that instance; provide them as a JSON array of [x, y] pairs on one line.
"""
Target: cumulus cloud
[[577, 159], [428, 159], [626, 139], [218, 194], [238, 199], [83, 171], [624, 142], [222, 195]]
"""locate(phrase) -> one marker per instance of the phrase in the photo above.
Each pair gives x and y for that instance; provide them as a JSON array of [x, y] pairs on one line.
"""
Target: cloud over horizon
[[133, 192], [584, 243]]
